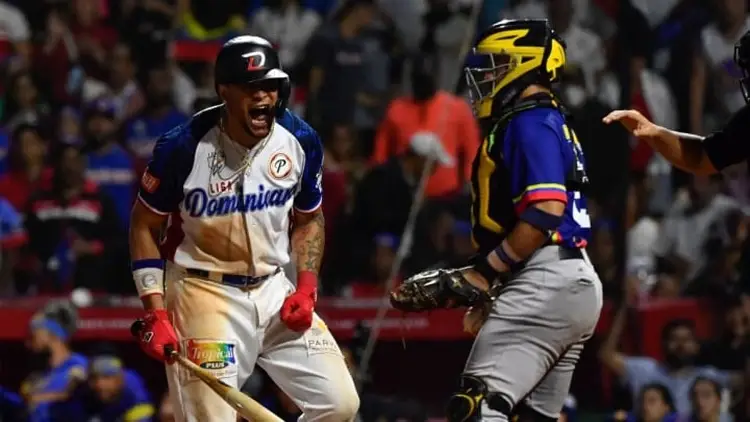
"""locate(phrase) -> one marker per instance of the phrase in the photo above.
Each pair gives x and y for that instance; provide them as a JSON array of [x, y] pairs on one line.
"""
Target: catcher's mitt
[[438, 289]]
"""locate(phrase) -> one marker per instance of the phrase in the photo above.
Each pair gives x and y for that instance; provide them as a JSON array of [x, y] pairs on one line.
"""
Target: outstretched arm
[[683, 150]]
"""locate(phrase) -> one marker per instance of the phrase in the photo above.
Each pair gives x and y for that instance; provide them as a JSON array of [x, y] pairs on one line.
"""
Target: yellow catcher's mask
[[508, 57]]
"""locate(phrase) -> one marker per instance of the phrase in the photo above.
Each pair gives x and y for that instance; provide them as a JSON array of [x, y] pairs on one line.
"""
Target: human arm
[[537, 156], [609, 354], [307, 237], [697, 92], [684, 150]]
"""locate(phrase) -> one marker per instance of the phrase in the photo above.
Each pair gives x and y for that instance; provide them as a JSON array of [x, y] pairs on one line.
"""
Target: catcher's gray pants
[[527, 349]]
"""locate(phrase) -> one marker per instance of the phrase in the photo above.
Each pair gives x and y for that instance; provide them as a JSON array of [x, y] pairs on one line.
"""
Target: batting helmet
[[247, 59]]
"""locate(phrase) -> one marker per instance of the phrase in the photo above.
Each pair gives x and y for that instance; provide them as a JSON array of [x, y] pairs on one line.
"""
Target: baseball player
[[239, 188], [694, 153], [531, 288]]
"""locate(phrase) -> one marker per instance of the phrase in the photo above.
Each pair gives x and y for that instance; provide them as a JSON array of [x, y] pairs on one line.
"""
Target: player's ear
[[222, 91]]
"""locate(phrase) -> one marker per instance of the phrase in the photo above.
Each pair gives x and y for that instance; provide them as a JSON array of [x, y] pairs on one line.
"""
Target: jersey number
[[580, 213]]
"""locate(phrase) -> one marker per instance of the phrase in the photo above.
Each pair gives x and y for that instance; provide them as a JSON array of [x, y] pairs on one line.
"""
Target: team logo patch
[[279, 166], [149, 182], [216, 356]]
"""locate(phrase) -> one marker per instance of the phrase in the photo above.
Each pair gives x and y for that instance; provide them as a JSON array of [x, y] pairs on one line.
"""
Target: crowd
[[88, 85]]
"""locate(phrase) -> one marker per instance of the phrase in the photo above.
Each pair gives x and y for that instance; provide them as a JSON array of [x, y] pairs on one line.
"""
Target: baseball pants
[[228, 330], [527, 349]]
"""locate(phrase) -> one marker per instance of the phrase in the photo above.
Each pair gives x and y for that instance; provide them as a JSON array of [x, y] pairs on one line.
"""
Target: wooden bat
[[242, 403]]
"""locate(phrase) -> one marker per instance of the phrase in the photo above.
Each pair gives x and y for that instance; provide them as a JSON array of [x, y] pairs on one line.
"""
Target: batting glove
[[297, 310], [157, 337]]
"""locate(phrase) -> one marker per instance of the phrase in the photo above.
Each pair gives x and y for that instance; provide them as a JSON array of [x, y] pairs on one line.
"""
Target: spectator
[[643, 232], [121, 87], [69, 129], [603, 256], [159, 116], [148, 24], [437, 114], [57, 369], [655, 405], [379, 269], [713, 63], [60, 75], [287, 25], [112, 393], [23, 103], [337, 58], [15, 37], [676, 373], [94, 37], [27, 163], [705, 396], [72, 226], [686, 228], [12, 237], [109, 165], [445, 26], [729, 350], [385, 195]]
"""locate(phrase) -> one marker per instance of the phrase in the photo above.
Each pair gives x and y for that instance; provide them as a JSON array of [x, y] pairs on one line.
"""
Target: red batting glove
[[297, 310], [157, 335]]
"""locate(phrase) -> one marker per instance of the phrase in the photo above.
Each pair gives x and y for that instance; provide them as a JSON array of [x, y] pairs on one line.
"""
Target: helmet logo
[[255, 60]]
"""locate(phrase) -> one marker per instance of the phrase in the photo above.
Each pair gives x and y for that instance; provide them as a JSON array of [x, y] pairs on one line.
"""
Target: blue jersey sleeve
[[310, 194], [535, 150], [161, 188]]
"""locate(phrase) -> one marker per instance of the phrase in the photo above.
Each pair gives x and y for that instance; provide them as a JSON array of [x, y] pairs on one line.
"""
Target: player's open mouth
[[260, 116]]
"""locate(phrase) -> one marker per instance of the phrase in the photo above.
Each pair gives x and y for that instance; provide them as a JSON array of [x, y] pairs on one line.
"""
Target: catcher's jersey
[[219, 195], [532, 156]]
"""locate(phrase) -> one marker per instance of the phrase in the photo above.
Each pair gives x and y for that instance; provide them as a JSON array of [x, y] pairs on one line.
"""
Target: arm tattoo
[[308, 240]]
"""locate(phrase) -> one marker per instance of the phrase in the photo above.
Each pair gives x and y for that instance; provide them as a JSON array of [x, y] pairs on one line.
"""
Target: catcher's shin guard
[[465, 405]]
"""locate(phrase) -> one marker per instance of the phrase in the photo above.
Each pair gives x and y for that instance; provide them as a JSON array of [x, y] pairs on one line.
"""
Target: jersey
[[215, 205], [61, 379], [731, 144], [132, 403], [531, 156]]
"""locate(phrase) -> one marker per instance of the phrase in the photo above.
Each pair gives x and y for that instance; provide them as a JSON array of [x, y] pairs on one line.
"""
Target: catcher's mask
[[742, 59], [507, 58]]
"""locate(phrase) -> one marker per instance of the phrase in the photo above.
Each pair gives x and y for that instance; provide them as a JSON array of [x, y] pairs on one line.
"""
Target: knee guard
[[465, 404]]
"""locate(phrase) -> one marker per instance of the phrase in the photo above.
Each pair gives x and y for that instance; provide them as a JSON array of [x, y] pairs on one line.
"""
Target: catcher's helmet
[[247, 59], [509, 56], [742, 59]]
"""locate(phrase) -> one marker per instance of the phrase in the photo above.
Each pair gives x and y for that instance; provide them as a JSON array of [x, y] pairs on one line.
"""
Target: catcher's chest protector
[[492, 207]]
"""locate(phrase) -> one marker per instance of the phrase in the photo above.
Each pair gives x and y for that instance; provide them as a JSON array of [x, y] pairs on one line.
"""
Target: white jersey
[[219, 195]]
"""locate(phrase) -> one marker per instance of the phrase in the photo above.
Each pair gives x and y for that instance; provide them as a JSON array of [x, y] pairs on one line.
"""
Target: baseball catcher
[[533, 296]]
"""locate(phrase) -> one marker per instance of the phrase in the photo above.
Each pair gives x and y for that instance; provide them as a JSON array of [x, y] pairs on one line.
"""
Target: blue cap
[[106, 366], [50, 325]]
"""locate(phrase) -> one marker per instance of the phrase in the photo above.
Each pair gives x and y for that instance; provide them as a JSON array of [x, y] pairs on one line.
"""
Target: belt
[[570, 253], [233, 280]]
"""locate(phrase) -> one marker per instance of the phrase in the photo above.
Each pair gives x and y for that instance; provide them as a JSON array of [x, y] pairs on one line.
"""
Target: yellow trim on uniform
[[539, 186], [139, 412], [486, 167]]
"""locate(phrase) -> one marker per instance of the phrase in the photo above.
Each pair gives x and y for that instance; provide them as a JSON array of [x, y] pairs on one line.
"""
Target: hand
[[157, 335], [634, 122], [477, 280], [297, 311], [475, 317]]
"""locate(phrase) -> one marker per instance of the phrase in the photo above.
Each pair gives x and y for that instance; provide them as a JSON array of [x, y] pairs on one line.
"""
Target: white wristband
[[148, 281]]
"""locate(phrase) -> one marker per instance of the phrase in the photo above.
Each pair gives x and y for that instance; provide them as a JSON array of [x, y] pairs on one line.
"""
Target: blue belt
[[233, 280]]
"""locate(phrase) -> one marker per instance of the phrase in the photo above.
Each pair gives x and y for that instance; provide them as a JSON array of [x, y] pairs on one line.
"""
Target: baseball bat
[[242, 403]]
